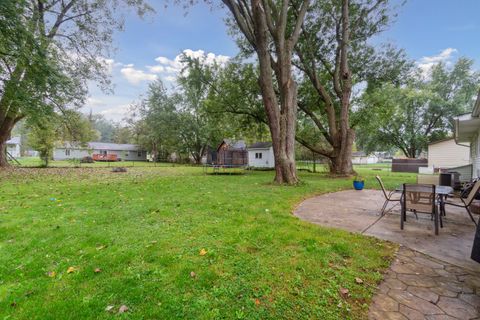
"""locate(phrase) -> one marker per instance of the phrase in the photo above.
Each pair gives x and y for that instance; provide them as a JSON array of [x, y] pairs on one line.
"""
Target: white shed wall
[[14, 150], [448, 154], [267, 161]]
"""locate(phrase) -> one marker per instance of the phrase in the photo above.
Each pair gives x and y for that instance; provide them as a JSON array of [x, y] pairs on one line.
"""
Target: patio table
[[442, 193]]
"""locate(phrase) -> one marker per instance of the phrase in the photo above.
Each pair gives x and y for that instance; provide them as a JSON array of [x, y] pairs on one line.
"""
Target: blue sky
[[429, 30]]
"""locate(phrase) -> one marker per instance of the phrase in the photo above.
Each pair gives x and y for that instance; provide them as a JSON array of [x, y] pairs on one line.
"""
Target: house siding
[[131, 155], [474, 155], [61, 154], [365, 160], [448, 154]]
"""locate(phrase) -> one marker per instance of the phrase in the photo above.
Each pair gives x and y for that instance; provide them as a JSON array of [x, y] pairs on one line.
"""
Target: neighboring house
[[446, 154], [126, 152], [232, 153], [13, 147], [467, 131], [361, 157], [260, 155]]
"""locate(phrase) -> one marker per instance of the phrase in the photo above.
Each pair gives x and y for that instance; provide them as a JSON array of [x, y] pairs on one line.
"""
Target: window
[[67, 152], [126, 154], [139, 153], [104, 152], [258, 155]]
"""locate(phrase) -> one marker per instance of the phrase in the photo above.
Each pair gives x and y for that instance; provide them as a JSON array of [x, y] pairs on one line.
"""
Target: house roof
[[467, 125], [260, 145], [102, 146], [113, 146], [14, 140], [359, 154], [439, 141]]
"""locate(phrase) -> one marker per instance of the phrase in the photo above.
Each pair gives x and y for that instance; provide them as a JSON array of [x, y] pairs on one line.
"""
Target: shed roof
[[113, 146], [234, 144], [359, 154], [14, 140], [260, 145]]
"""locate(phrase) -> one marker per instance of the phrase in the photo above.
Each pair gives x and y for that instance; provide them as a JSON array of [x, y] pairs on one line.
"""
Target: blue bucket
[[358, 185]]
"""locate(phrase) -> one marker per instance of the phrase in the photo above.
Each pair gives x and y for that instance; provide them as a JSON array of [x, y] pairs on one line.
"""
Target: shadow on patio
[[432, 276], [358, 211]]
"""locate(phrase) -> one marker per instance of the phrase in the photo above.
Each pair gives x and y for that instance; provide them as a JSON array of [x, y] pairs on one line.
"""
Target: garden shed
[[260, 155], [231, 153]]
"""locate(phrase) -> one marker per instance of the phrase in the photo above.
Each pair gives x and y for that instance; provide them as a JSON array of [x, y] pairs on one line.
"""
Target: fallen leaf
[[358, 280], [257, 302], [203, 252], [109, 308], [193, 274], [101, 247], [52, 274], [97, 270], [344, 292], [123, 309], [71, 269]]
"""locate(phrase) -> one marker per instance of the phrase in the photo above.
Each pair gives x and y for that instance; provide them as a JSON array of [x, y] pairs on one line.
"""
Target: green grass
[[145, 230]]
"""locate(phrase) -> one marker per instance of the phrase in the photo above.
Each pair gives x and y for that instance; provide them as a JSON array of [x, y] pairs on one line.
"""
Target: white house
[[260, 155], [127, 152], [445, 154], [467, 131], [361, 157], [13, 146]]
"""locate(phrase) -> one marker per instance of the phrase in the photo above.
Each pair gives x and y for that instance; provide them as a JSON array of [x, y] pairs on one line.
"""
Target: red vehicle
[[105, 157]]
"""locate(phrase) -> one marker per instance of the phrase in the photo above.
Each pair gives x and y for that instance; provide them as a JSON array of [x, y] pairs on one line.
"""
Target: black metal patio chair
[[389, 196], [466, 203]]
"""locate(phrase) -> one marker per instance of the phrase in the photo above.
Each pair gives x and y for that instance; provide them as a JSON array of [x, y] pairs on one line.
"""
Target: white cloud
[[135, 76], [94, 102], [174, 66], [170, 78], [165, 61], [116, 112], [427, 63], [156, 69]]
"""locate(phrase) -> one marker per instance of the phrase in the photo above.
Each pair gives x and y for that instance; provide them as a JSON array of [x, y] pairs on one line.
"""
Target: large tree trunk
[[341, 162], [282, 117], [3, 155], [5, 131]]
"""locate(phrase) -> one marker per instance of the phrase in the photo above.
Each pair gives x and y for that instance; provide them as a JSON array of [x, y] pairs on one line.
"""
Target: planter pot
[[358, 185]]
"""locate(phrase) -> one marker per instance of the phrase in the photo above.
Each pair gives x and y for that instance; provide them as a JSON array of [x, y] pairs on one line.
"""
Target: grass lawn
[[147, 229]]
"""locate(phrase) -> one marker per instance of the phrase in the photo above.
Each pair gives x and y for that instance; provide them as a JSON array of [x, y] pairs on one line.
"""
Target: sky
[[430, 31]]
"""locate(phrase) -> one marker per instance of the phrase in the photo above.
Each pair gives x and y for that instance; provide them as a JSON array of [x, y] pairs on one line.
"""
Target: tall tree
[[334, 54], [48, 51], [69, 127], [410, 116], [272, 29], [158, 123]]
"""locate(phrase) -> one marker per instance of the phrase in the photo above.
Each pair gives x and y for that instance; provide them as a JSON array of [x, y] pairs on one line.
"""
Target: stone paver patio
[[432, 276]]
